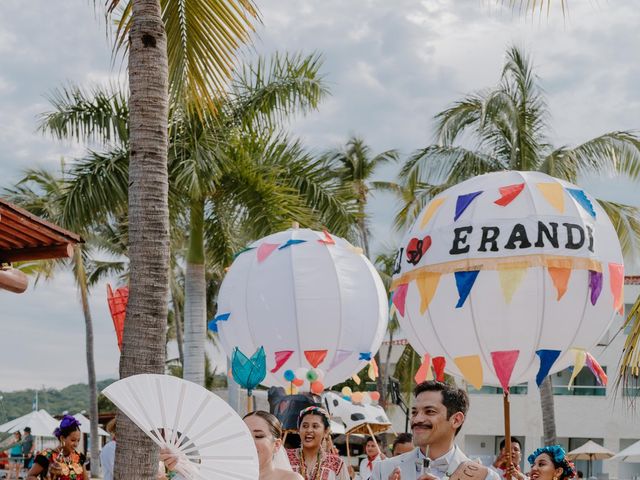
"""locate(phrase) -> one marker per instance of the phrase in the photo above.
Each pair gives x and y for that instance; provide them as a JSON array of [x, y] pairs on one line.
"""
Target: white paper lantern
[[508, 271], [310, 299]]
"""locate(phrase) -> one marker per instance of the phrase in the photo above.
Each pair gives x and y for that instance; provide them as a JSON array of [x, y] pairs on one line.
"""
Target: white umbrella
[[85, 426], [629, 454], [41, 423], [590, 451]]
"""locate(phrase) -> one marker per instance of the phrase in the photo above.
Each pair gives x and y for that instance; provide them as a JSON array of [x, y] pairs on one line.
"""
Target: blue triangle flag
[[583, 200], [463, 202], [289, 243], [547, 359], [213, 324], [464, 283]]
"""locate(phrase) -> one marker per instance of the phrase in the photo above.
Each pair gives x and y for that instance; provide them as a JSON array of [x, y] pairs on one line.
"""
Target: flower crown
[[313, 410], [68, 423], [558, 455]]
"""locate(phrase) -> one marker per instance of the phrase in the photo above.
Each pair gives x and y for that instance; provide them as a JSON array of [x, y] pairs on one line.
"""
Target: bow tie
[[439, 465]]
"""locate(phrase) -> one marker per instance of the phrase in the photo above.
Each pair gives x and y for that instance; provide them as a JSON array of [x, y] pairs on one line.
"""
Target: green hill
[[72, 399]]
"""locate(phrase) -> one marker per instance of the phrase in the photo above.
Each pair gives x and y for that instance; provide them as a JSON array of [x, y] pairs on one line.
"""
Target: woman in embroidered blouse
[[311, 460], [550, 463], [62, 462]]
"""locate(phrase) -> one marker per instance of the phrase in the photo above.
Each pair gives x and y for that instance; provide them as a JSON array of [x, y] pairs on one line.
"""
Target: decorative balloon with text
[[507, 277]]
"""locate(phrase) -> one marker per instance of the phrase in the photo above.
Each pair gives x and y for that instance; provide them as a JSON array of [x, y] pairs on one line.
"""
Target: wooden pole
[[373, 437], [249, 403], [348, 450], [507, 431]]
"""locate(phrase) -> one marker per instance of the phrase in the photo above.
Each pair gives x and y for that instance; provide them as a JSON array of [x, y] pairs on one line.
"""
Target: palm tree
[[42, 193], [509, 125]]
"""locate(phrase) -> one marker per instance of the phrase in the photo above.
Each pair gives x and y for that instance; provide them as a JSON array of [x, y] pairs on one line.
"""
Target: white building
[[586, 412]]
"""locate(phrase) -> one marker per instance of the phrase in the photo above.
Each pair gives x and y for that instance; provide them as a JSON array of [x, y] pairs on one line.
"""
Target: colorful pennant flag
[[265, 250], [553, 193], [616, 283], [315, 357], [439, 363], [290, 242], [339, 357], [464, 283], [328, 239], [243, 251], [433, 206], [560, 278], [356, 378], [471, 369], [373, 370], [596, 369], [583, 200], [581, 359], [509, 193], [281, 359], [547, 359], [213, 324], [427, 284], [366, 356], [595, 285], [503, 363], [424, 370], [510, 279], [400, 297], [463, 202]]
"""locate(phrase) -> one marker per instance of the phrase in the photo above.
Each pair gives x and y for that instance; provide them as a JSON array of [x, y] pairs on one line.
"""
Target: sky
[[390, 66]]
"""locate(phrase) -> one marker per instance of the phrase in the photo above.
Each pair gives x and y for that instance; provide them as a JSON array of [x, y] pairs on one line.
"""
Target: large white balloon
[[303, 291], [508, 266]]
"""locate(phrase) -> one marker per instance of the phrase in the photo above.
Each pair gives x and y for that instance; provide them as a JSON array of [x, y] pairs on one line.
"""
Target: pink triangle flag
[[339, 357], [399, 297], [281, 359], [265, 250], [616, 282], [423, 371], [503, 363]]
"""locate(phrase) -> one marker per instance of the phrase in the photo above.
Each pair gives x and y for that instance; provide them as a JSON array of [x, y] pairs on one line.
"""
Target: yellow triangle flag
[[427, 284], [554, 194], [356, 378], [581, 359], [510, 278], [560, 279], [471, 369], [431, 209]]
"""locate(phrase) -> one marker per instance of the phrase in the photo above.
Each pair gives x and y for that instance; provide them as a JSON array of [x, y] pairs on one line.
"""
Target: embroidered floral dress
[[72, 466], [328, 467]]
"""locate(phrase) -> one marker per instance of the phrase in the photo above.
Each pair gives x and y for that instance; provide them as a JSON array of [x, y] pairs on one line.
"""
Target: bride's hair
[[275, 427]]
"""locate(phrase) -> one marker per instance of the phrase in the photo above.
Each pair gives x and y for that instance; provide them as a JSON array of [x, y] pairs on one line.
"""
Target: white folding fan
[[207, 435]]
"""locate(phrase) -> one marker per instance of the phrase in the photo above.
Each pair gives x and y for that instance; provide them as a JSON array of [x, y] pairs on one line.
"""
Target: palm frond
[[626, 221], [98, 270], [629, 369]]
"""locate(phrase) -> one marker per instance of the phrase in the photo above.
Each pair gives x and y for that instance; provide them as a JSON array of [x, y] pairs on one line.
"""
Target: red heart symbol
[[416, 248], [426, 243]]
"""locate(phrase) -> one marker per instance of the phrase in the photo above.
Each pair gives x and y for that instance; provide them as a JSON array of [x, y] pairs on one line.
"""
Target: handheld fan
[[202, 430]]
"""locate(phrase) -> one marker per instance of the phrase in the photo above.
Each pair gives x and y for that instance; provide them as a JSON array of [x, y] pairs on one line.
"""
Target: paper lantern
[[508, 276], [316, 305], [118, 308]]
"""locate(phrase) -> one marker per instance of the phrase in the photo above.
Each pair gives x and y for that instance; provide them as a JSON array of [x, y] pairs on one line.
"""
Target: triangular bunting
[[315, 357], [508, 194], [265, 250], [581, 359], [463, 202], [547, 359], [431, 210], [290, 242], [328, 239], [399, 297], [427, 285], [471, 369], [560, 279], [424, 370], [339, 357], [439, 363], [373, 370], [464, 283], [616, 282], [595, 285], [510, 278], [356, 378], [213, 324], [554, 194], [281, 359], [597, 370], [503, 363], [583, 200], [243, 251]]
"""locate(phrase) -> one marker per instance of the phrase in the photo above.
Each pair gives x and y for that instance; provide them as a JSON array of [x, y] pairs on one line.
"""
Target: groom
[[436, 418]]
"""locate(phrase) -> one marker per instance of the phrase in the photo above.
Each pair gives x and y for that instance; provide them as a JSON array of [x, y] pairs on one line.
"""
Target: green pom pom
[[312, 375]]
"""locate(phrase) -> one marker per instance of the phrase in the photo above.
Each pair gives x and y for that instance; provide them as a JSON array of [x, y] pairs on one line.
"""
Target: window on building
[[584, 384], [631, 387]]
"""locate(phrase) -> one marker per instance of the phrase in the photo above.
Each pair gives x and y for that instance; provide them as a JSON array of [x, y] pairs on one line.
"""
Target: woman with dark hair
[[550, 463], [15, 457], [311, 460], [62, 462]]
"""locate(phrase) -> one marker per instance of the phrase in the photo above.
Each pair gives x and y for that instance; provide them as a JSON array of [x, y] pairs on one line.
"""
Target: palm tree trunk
[[81, 280], [195, 294], [385, 371], [548, 412], [177, 319], [143, 349]]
